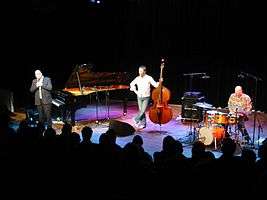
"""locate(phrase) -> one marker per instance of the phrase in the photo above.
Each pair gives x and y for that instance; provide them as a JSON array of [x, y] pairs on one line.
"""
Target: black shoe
[[248, 140], [141, 126], [227, 135]]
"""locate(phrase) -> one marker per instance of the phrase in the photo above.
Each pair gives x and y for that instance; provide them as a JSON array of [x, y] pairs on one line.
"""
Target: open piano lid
[[94, 81]]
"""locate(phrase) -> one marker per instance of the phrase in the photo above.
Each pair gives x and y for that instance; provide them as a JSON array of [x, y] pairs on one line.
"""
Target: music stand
[[107, 105]]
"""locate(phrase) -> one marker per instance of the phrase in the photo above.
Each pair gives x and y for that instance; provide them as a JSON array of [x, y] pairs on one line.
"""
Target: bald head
[[238, 90], [38, 74]]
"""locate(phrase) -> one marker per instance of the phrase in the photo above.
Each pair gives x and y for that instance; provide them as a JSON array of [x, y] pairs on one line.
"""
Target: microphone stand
[[192, 123], [260, 129], [191, 75], [255, 100]]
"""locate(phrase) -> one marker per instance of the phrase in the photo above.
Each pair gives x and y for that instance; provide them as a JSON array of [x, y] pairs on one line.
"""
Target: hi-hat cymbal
[[203, 105]]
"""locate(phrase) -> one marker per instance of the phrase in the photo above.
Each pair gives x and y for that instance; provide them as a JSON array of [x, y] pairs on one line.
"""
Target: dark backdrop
[[221, 38]]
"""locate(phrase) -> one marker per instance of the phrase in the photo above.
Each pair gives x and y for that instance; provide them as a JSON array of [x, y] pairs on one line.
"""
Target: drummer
[[240, 105]]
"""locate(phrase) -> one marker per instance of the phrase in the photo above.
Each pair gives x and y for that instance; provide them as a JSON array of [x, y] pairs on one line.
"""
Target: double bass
[[160, 112]]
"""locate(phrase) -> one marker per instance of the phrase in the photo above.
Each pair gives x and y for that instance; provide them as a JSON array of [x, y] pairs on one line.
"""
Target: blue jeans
[[142, 105]]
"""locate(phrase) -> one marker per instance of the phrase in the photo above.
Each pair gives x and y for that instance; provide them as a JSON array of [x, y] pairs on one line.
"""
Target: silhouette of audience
[[41, 156]]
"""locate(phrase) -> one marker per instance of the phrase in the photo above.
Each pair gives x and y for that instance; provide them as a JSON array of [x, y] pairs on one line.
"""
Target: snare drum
[[207, 135]]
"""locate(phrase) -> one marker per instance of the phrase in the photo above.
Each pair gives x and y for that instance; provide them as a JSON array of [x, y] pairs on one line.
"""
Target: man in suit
[[41, 87]]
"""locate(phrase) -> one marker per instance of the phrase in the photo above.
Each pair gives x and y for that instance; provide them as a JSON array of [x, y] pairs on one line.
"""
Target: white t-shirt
[[143, 85]]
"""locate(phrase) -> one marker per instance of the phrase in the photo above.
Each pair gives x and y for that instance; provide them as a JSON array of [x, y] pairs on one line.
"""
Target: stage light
[[95, 2]]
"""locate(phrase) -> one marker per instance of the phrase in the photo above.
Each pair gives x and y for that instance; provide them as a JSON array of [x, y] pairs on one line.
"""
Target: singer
[[41, 87]]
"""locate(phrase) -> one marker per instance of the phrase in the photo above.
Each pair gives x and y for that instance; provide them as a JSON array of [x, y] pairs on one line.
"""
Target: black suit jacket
[[46, 91]]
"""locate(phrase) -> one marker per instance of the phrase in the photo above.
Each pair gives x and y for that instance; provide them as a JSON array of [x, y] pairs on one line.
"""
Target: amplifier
[[189, 111]]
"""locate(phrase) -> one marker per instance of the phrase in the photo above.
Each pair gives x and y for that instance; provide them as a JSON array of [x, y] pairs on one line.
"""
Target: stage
[[153, 134]]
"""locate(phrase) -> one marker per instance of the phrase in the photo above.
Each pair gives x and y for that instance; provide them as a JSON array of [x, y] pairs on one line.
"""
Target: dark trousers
[[242, 129], [44, 111], [240, 126]]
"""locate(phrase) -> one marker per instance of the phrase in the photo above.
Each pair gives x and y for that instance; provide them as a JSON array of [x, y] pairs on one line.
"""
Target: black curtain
[[219, 37]]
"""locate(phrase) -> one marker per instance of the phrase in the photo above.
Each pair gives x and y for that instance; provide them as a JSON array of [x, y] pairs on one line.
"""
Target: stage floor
[[153, 134]]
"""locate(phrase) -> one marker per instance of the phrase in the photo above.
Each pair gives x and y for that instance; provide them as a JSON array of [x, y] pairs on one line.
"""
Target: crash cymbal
[[203, 105]]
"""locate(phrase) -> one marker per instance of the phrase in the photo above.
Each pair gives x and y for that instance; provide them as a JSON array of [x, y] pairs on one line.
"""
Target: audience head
[[87, 133], [169, 144], [198, 148], [228, 147], [248, 155], [137, 140]]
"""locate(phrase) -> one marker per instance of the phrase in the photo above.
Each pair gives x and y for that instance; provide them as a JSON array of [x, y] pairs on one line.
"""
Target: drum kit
[[217, 124]]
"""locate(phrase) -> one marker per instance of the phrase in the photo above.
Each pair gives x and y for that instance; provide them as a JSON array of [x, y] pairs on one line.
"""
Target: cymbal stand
[[256, 79], [192, 130], [204, 113], [260, 130]]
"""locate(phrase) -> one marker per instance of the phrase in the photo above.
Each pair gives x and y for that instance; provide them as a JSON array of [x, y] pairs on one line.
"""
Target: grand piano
[[85, 86]]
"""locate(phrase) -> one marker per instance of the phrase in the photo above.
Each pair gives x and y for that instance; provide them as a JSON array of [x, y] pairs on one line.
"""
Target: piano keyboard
[[57, 102]]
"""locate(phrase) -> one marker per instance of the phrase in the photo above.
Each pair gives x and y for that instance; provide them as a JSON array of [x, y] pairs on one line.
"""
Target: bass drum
[[207, 135]]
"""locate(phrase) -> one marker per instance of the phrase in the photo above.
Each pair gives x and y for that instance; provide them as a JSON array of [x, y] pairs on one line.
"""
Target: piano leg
[[64, 114], [72, 116], [125, 102], [107, 104]]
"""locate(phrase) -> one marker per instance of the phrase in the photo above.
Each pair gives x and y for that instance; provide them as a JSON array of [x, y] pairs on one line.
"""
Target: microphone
[[83, 65], [205, 77], [241, 75]]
